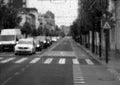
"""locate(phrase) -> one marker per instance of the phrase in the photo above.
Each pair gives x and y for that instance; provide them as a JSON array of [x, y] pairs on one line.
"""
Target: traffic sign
[[106, 25]]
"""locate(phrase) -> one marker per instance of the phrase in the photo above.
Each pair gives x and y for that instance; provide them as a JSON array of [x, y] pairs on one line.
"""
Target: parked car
[[40, 41], [25, 46], [48, 41], [39, 45]]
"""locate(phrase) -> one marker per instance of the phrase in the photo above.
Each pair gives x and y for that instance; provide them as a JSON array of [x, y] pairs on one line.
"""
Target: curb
[[111, 70]]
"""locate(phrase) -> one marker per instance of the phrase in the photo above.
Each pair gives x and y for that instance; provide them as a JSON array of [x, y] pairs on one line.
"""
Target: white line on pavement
[[35, 60], [76, 79], [7, 60], [89, 61], [75, 61], [62, 61], [5, 82], [48, 61], [81, 82], [21, 60]]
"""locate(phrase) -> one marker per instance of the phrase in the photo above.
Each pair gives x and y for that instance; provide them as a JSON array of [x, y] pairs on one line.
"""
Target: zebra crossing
[[46, 60]]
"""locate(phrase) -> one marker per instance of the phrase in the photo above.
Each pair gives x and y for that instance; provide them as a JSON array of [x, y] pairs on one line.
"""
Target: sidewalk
[[113, 65]]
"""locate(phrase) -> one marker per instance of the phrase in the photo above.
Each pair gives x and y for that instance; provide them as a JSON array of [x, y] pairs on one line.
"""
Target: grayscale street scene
[[59, 42]]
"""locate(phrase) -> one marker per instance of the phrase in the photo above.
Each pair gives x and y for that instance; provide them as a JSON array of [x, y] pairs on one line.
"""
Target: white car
[[25, 46]]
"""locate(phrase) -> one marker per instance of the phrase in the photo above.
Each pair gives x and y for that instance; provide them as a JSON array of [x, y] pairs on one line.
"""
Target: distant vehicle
[[9, 38], [48, 40], [43, 41], [39, 44], [25, 46], [54, 39]]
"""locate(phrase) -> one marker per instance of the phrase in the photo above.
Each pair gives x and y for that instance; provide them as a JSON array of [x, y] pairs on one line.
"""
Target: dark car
[[39, 45]]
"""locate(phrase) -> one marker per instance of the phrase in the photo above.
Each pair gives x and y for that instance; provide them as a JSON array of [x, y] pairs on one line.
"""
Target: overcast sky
[[65, 12]]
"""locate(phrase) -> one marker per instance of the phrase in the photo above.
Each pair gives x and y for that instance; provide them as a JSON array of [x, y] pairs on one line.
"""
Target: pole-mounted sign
[[106, 25]]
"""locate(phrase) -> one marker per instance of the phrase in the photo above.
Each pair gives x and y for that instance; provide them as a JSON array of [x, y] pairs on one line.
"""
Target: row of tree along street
[[87, 28], [9, 18]]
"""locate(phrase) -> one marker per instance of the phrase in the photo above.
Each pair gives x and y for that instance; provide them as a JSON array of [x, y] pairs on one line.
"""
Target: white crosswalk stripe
[[21, 60], [35, 60], [89, 61], [75, 61], [62, 61], [7, 60], [48, 61]]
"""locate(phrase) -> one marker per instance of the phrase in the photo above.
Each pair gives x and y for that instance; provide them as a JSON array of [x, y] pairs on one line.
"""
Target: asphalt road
[[64, 63]]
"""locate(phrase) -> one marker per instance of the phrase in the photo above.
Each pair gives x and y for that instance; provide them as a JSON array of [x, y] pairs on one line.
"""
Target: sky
[[65, 10]]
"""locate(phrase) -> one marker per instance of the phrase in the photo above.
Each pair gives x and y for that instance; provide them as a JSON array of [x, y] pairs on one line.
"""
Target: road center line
[[6, 81]]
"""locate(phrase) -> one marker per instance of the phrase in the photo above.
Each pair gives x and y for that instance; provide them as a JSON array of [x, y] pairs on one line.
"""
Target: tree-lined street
[[56, 65], [59, 42]]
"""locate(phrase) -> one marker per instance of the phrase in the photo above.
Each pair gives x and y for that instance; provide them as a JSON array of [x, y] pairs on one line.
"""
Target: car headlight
[[31, 47], [16, 47], [12, 42], [38, 45], [44, 41]]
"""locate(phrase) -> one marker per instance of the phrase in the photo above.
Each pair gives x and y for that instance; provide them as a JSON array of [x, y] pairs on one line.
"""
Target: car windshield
[[25, 42], [7, 37]]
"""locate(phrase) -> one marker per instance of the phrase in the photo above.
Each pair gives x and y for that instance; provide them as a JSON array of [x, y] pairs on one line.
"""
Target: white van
[[9, 38]]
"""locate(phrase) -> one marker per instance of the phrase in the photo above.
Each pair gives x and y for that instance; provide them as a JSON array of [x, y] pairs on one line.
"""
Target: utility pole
[[107, 40]]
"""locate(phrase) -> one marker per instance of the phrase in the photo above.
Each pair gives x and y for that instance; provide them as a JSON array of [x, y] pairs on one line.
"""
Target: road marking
[[62, 61], [35, 60], [75, 61], [21, 60], [81, 82], [78, 79], [48, 61], [5, 82], [7, 60], [89, 61], [77, 75]]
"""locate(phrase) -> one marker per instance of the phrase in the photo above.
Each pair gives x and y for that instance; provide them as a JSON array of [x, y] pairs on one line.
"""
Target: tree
[[26, 29], [8, 16]]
